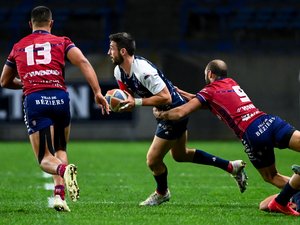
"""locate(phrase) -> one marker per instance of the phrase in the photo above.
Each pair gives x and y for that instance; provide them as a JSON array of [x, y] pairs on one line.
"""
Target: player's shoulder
[[143, 66], [58, 38], [141, 61], [117, 72]]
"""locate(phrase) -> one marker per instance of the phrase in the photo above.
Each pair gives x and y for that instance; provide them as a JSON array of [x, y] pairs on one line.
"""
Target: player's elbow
[[83, 62], [3, 83]]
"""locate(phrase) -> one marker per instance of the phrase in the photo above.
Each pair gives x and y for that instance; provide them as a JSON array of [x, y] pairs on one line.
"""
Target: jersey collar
[[40, 32]]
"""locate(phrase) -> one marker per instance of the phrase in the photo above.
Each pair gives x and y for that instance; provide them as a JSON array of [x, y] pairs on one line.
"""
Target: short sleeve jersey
[[40, 60], [146, 80], [229, 103]]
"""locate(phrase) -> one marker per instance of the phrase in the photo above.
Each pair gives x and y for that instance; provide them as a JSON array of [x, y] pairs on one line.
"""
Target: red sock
[[61, 169], [230, 167], [60, 190]]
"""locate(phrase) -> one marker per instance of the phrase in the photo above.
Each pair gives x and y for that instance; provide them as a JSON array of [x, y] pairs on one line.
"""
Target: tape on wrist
[[138, 101]]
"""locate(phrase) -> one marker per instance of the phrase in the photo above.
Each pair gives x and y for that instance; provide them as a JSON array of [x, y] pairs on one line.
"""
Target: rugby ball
[[114, 97]]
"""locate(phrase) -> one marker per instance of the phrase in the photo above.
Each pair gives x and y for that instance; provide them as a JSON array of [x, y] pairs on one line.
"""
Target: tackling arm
[[178, 112], [188, 96]]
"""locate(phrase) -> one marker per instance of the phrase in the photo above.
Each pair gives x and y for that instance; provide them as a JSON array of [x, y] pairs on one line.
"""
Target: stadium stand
[[245, 23], [226, 25], [88, 22]]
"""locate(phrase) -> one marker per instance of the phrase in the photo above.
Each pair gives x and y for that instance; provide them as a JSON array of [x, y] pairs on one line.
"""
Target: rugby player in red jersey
[[259, 132], [36, 65]]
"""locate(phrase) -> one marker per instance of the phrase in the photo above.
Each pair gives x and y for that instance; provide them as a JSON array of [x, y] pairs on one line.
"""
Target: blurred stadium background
[[259, 40]]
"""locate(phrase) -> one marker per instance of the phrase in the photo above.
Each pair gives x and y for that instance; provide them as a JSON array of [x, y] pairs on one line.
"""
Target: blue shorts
[[262, 136], [45, 108], [171, 130]]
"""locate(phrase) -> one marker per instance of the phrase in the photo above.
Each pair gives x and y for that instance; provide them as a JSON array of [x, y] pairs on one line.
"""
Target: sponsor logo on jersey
[[42, 73]]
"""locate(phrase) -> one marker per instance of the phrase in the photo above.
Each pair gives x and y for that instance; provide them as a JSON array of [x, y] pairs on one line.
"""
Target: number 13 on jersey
[[42, 50]]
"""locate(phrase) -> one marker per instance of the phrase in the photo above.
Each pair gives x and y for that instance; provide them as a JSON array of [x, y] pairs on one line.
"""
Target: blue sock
[[162, 182], [285, 195], [205, 158]]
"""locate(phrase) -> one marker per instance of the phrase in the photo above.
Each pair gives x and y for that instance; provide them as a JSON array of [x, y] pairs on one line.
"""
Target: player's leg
[[61, 137], [181, 153], [260, 143], [43, 149], [294, 182], [281, 202], [294, 142], [42, 144], [271, 175], [263, 205], [155, 156], [61, 117]]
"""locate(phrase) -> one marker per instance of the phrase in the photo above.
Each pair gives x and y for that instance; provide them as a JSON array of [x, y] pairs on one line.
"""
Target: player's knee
[[178, 158], [263, 206], [180, 155], [43, 162], [269, 178], [154, 164], [150, 163]]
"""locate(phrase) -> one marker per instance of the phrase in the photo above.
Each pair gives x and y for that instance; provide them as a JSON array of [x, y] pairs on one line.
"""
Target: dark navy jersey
[[145, 80]]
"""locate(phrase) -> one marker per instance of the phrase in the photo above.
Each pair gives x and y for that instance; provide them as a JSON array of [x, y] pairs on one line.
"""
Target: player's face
[[114, 54]]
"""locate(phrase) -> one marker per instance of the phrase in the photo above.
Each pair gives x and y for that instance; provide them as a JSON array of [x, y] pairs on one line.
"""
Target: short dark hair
[[218, 67], [124, 40], [41, 15]]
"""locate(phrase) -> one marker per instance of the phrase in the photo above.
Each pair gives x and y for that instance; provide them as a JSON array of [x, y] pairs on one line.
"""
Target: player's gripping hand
[[102, 103], [128, 104], [157, 113]]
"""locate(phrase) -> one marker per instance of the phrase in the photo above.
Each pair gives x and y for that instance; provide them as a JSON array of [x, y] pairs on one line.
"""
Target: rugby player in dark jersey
[[143, 80]]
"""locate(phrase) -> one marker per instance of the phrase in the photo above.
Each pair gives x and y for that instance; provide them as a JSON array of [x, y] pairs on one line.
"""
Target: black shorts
[[171, 130]]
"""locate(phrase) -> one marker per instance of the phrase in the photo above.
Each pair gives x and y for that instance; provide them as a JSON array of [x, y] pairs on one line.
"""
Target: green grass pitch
[[113, 179]]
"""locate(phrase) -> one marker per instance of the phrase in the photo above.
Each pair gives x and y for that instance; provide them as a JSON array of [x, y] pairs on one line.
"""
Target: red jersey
[[40, 61], [229, 103]]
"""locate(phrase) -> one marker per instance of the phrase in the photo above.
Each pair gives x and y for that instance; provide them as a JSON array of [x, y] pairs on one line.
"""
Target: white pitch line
[[50, 202], [50, 187], [47, 175]]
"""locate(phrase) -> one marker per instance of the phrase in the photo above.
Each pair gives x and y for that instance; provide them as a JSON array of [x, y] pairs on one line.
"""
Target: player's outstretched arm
[[188, 96], [77, 58], [9, 78], [178, 112]]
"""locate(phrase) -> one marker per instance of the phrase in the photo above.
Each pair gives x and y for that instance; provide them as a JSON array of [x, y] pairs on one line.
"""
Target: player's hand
[[188, 96], [127, 105], [102, 103]]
